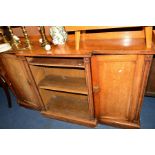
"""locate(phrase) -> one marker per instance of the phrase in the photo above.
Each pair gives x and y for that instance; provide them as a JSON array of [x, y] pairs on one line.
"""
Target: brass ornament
[[44, 41], [14, 42], [27, 41]]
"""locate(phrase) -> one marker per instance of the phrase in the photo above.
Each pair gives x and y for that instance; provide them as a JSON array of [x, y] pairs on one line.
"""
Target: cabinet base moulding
[[27, 105], [89, 123], [120, 123]]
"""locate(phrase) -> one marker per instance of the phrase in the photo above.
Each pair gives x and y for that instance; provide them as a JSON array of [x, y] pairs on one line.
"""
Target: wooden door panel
[[20, 81], [115, 81], [119, 78], [150, 89]]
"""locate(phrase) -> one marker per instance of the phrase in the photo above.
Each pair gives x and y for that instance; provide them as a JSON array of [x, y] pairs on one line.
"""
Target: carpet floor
[[18, 117]]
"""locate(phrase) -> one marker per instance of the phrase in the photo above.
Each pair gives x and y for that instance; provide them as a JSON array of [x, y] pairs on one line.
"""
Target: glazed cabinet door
[[118, 86], [21, 81]]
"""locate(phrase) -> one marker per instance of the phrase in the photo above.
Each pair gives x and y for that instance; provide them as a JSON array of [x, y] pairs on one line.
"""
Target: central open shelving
[[57, 62], [67, 106], [63, 87], [71, 105], [64, 83]]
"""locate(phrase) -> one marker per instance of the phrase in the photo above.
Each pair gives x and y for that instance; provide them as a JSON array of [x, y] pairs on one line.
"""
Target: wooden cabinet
[[96, 77], [118, 82], [150, 89], [65, 87], [21, 81], [83, 90]]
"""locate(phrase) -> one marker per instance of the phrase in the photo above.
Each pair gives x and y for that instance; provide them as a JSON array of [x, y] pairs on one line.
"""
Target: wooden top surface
[[56, 51], [89, 47]]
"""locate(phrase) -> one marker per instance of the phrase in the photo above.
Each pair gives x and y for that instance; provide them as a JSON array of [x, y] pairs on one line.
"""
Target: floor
[[18, 117]]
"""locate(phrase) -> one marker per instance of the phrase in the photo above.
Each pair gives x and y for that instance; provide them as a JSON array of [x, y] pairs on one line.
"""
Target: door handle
[[96, 89]]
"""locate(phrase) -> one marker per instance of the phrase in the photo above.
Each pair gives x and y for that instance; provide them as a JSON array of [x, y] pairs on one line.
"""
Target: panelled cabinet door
[[21, 81], [120, 83], [150, 89]]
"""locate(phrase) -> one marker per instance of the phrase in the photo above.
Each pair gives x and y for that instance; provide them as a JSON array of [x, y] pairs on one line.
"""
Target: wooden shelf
[[73, 107], [64, 84], [57, 62], [86, 122]]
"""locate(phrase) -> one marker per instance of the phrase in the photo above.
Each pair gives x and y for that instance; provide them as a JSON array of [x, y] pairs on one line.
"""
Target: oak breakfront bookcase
[[98, 76]]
